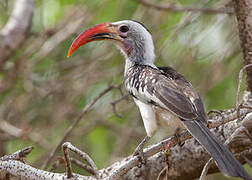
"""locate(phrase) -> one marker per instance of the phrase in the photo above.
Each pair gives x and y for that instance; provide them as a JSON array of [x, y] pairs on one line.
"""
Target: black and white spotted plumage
[[162, 95], [165, 97], [163, 88]]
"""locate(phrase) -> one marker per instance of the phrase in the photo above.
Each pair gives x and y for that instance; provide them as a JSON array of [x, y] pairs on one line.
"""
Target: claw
[[139, 150]]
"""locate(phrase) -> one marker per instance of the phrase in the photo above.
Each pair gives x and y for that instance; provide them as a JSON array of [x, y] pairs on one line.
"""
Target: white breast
[[148, 116]]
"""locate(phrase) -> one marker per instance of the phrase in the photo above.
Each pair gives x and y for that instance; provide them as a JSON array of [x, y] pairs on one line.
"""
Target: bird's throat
[[127, 48]]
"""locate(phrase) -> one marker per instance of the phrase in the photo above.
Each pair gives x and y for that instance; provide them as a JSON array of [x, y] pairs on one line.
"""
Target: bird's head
[[132, 38]]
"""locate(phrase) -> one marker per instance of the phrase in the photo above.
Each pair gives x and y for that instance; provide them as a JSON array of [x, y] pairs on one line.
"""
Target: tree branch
[[77, 120], [19, 155], [68, 146], [24, 170], [243, 11], [177, 8], [191, 154], [17, 29], [14, 131]]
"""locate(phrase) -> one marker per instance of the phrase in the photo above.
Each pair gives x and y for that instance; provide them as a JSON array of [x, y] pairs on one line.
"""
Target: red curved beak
[[96, 33]]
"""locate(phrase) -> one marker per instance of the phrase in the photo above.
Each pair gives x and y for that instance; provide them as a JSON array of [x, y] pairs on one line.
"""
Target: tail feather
[[225, 160]]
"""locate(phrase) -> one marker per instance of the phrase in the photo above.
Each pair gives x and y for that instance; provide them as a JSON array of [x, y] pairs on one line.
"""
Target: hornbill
[[162, 95]]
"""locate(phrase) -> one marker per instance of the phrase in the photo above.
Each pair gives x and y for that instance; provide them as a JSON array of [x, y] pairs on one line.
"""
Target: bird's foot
[[139, 150]]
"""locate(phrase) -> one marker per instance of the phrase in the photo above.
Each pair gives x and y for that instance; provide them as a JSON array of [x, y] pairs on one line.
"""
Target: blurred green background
[[42, 92]]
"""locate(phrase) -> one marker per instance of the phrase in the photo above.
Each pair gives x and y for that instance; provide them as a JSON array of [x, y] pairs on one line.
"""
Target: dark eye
[[124, 29]]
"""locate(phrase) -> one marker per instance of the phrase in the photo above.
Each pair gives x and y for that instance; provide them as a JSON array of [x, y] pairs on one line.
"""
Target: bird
[[164, 96]]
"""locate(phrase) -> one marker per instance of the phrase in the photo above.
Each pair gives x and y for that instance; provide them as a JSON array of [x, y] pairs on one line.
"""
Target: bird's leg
[[139, 149]]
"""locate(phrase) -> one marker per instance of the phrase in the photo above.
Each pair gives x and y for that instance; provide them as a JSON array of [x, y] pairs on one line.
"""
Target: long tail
[[225, 160]]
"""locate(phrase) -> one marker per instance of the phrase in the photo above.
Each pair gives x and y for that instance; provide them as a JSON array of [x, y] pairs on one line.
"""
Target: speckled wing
[[177, 94], [166, 88]]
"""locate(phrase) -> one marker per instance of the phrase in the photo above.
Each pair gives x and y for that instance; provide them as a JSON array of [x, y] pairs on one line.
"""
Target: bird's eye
[[124, 29]]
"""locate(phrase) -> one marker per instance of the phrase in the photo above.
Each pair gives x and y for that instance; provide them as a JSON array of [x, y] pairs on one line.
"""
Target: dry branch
[[176, 8], [68, 146], [239, 84], [192, 153], [20, 169], [114, 103], [181, 154], [61, 35], [83, 166], [243, 11], [19, 155], [14, 131], [77, 120], [17, 29]]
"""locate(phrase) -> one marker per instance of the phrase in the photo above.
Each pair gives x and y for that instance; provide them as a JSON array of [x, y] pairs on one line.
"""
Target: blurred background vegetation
[[42, 92]]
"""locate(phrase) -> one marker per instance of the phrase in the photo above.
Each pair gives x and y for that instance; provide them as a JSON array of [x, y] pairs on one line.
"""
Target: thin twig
[[238, 104], [20, 133], [68, 146], [205, 169], [55, 165], [239, 84], [166, 168], [114, 103], [82, 165], [65, 149], [10, 129], [18, 155], [83, 112], [176, 8], [61, 160], [162, 172]]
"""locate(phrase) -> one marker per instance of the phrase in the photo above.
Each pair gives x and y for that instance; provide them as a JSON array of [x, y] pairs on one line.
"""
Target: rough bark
[[184, 163], [187, 162], [16, 29], [243, 11]]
